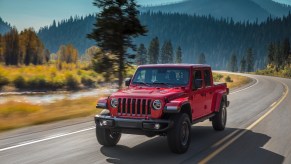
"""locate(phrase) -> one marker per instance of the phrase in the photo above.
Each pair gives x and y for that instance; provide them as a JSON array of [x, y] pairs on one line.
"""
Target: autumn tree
[[90, 53], [153, 51], [11, 53], [141, 57], [68, 54], [201, 59], [116, 24], [31, 47], [1, 49], [178, 55]]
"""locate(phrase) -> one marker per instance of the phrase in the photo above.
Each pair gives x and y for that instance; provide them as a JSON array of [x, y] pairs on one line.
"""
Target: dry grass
[[15, 114], [237, 80]]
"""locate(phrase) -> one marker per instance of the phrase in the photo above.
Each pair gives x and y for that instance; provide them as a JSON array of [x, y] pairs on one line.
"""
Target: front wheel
[[106, 137], [179, 136], [219, 120]]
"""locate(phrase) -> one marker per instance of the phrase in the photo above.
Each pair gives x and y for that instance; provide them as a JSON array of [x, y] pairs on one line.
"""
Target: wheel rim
[[113, 135], [184, 133]]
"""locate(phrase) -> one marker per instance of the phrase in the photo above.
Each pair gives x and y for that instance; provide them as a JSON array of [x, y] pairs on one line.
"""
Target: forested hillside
[[217, 39], [71, 31], [4, 27], [238, 10]]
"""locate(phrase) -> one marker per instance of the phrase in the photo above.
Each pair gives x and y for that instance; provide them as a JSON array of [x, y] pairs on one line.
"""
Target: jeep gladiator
[[163, 99]]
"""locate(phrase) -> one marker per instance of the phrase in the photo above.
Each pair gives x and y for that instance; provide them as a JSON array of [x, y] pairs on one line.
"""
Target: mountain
[[218, 39], [4, 27], [238, 10]]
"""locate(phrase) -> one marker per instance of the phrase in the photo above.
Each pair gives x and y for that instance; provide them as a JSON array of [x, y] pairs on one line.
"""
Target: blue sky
[[39, 13]]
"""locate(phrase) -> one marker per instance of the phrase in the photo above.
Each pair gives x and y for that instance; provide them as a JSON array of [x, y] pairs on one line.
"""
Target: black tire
[[179, 137], [219, 120], [107, 137]]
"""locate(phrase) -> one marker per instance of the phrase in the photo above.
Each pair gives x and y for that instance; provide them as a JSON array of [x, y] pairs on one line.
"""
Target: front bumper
[[133, 125]]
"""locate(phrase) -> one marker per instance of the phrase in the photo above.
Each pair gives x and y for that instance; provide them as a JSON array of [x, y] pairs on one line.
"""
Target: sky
[[39, 13]]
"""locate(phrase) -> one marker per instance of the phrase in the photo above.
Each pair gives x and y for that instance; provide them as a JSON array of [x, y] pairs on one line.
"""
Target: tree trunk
[[120, 71]]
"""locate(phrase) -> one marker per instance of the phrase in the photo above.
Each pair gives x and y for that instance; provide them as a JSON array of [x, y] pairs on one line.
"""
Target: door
[[197, 96], [209, 91]]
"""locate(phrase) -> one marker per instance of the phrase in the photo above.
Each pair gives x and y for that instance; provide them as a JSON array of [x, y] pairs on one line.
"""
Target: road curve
[[258, 131]]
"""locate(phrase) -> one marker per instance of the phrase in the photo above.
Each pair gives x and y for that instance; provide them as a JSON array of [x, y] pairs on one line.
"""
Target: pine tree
[[243, 65], [141, 57], [166, 52], [178, 55], [286, 51], [232, 64], [153, 51], [278, 60], [271, 53], [201, 59], [170, 52], [116, 24], [250, 60]]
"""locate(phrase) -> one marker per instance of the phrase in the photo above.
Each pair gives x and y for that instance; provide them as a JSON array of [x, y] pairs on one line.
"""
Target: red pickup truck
[[163, 99]]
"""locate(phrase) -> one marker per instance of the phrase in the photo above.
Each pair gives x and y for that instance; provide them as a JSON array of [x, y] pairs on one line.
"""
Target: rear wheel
[[179, 136], [219, 120]]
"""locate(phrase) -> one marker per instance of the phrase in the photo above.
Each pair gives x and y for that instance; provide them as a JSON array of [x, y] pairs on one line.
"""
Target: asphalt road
[[258, 131]]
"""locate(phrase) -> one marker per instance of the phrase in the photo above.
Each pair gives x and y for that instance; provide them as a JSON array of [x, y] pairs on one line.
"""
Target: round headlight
[[157, 104], [114, 103]]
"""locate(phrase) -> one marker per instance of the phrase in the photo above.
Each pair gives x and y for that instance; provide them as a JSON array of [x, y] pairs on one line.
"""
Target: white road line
[[45, 139], [257, 81]]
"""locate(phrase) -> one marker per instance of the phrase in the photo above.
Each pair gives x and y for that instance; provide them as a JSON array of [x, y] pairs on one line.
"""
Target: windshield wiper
[[140, 82], [162, 83]]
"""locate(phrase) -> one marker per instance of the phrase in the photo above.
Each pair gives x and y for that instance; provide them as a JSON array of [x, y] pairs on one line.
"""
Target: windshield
[[162, 76]]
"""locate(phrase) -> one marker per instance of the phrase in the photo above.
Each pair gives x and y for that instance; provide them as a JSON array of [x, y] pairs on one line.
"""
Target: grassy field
[[233, 81], [16, 114]]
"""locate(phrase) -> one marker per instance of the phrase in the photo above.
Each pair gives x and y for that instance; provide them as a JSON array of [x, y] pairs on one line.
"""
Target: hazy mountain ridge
[[218, 39], [4, 27], [238, 10]]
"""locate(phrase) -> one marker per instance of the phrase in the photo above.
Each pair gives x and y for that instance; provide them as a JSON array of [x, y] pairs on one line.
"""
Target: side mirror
[[197, 84], [127, 81]]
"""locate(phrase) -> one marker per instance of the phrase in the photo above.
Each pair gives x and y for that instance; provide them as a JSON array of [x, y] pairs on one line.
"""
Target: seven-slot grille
[[134, 107]]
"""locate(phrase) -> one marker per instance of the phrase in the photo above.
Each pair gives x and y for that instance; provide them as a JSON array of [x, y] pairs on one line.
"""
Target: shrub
[[19, 82], [72, 82], [87, 81], [3, 81], [56, 83], [228, 79], [37, 83], [217, 77]]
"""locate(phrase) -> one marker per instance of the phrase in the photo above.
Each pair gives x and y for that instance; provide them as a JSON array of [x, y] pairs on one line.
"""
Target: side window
[[197, 79], [207, 78]]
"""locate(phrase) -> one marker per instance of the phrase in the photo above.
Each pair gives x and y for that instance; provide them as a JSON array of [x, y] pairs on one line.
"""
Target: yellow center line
[[220, 149]]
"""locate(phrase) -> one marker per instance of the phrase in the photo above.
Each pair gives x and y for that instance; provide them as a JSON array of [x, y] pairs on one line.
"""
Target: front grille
[[134, 107]]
